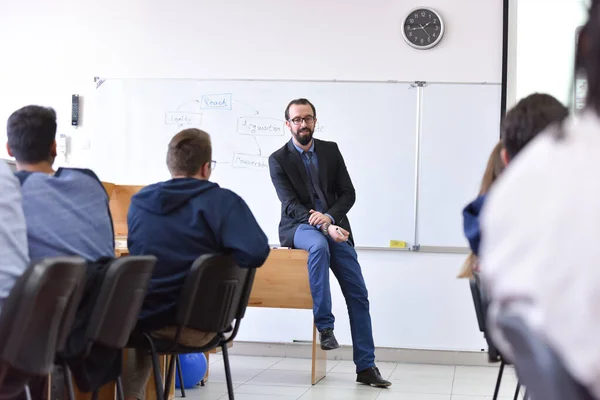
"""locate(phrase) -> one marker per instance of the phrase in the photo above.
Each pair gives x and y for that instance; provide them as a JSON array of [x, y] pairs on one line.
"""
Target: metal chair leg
[[499, 381], [227, 371], [27, 392], [180, 375], [68, 381], [517, 391], [120, 393], [169, 377], [160, 393]]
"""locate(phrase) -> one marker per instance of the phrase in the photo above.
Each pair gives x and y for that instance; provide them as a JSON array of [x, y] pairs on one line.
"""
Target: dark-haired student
[[542, 227], [178, 221], [66, 210], [520, 125], [67, 214]]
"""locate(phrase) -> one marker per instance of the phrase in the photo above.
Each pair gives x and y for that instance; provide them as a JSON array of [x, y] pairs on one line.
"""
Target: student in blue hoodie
[[177, 221], [522, 123]]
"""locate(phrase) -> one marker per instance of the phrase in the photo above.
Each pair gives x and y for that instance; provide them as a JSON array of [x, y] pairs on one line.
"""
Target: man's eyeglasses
[[308, 119], [213, 165]]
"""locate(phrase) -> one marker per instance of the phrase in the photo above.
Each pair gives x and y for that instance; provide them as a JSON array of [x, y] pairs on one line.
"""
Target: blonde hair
[[493, 169]]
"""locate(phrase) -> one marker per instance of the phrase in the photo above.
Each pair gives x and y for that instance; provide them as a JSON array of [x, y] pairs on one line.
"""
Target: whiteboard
[[372, 122], [460, 127]]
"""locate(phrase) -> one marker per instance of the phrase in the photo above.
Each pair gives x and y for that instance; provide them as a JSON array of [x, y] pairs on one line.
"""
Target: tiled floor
[[266, 378]]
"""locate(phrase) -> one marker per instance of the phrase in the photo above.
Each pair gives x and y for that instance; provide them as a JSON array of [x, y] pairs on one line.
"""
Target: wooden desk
[[282, 282]]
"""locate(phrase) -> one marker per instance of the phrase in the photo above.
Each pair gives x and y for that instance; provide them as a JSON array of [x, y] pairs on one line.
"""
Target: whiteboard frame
[[419, 85], [98, 79]]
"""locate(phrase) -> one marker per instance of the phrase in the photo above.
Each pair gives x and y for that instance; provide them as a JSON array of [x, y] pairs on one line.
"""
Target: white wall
[[53, 49], [543, 47]]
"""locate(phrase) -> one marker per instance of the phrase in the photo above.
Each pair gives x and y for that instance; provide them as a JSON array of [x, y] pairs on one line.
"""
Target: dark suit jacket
[[292, 184]]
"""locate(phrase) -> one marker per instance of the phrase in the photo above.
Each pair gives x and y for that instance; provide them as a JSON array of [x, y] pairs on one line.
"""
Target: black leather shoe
[[328, 340], [371, 376]]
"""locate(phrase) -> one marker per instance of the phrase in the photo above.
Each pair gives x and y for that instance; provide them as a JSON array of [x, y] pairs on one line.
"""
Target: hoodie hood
[[166, 197], [471, 226]]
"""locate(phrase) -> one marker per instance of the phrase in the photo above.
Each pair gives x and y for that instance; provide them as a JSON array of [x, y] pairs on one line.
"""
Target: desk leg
[[319, 359]]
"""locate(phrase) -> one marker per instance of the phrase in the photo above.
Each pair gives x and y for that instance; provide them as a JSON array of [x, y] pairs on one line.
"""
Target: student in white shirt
[[541, 232]]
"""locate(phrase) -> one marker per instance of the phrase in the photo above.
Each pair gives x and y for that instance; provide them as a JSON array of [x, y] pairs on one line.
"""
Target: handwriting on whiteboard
[[250, 161], [260, 126], [183, 118], [216, 101]]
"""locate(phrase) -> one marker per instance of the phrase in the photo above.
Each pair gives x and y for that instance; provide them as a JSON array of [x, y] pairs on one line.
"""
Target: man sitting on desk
[[178, 221], [316, 192]]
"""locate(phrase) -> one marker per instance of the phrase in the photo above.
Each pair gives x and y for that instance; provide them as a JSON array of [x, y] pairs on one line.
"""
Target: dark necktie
[[314, 179]]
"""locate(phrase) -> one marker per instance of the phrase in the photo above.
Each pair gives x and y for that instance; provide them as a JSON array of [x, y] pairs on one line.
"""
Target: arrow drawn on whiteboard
[[99, 81], [247, 105], [194, 102], [257, 145]]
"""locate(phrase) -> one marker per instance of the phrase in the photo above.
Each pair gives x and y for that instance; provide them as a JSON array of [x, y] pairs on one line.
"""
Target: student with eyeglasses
[[178, 221], [316, 193]]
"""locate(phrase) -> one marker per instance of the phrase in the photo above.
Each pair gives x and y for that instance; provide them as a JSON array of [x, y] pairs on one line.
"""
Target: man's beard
[[303, 136]]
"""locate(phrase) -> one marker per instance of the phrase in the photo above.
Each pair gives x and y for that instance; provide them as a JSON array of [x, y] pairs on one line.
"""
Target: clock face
[[423, 28]]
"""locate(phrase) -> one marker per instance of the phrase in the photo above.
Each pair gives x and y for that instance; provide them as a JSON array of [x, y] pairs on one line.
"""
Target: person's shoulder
[[226, 196], [280, 152], [8, 180], [327, 144], [4, 169], [82, 176], [77, 172], [5, 173]]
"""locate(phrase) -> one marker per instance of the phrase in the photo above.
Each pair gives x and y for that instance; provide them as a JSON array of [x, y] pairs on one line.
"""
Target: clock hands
[[423, 27]]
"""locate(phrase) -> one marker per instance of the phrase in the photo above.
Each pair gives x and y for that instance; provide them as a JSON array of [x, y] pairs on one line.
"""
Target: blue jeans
[[325, 253]]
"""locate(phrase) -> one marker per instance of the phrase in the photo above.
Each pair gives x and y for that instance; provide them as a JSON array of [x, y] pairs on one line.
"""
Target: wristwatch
[[325, 227]]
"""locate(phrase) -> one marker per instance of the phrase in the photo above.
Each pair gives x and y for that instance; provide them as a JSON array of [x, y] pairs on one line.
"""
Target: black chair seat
[[214, 299], [166, 347]]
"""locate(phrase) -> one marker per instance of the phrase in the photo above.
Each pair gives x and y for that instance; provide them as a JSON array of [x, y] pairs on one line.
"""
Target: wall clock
[[423, 28]]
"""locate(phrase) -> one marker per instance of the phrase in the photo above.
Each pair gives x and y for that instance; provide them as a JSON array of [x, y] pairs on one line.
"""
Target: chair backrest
[[478, 304], [481, 303], [70, 313], [35, 313], [215, 293], [539, 368], [119, 300]]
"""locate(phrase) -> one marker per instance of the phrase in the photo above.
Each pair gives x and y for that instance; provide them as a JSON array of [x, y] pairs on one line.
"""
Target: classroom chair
[[214, 299], [34, 319], [537, 364], [480, 304], [116, 310]]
